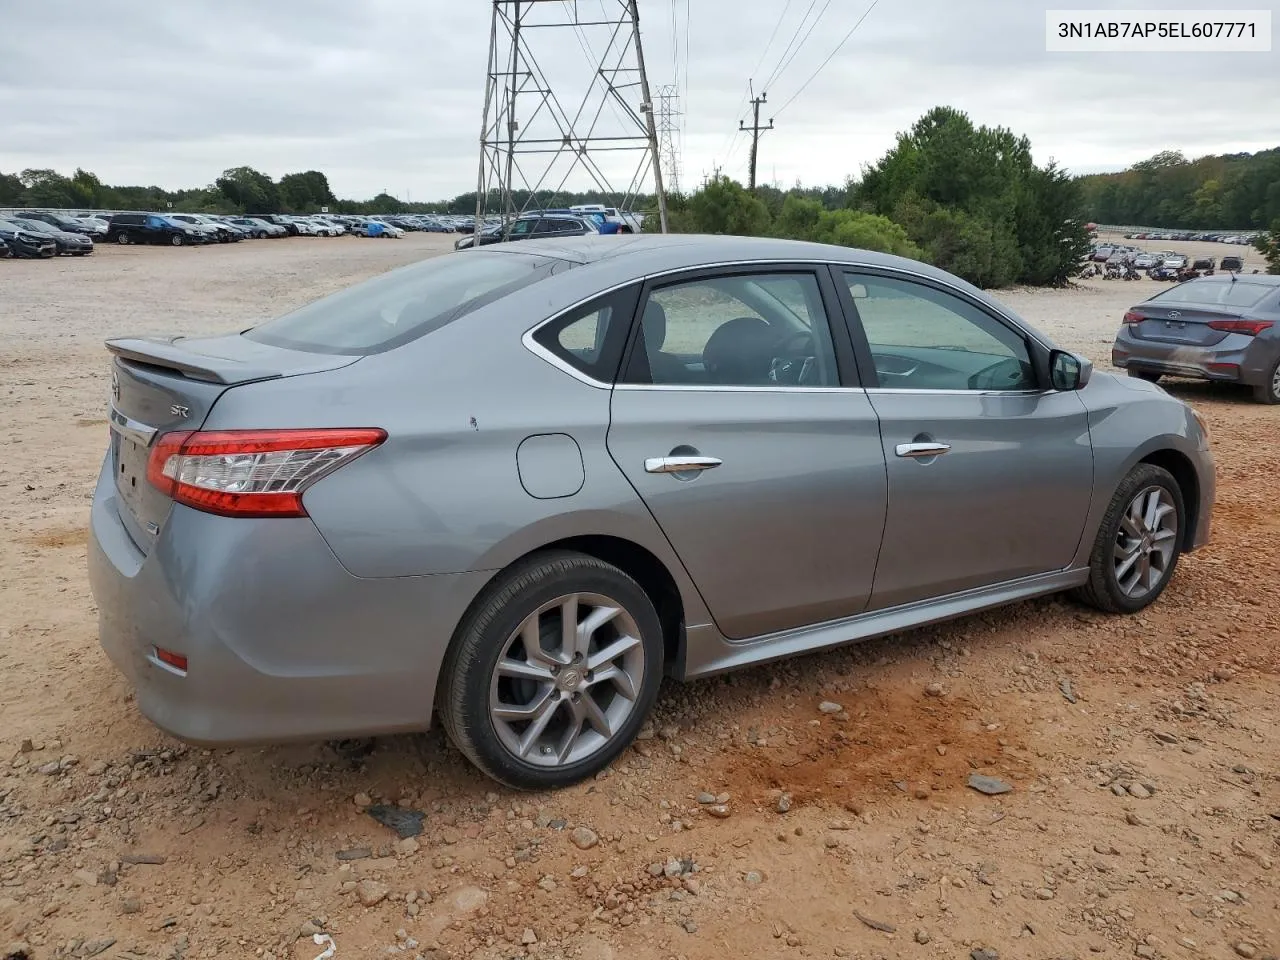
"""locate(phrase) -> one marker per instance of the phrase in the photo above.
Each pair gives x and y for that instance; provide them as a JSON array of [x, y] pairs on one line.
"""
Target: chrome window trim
[[543, 353], [951, 392], [726, 388]]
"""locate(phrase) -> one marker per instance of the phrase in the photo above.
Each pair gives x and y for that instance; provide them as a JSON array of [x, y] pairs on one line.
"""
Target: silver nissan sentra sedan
[[517, 486]]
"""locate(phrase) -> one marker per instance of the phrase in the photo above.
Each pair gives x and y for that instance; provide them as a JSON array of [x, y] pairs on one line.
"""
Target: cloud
[[387, 94]]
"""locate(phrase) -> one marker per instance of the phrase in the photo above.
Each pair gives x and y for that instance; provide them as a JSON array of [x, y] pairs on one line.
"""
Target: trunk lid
[[159, 385], [1180, 323]]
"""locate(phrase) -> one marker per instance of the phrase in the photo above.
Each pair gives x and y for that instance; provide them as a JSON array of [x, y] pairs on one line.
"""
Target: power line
[[756, 69], [783, 68], [815, 73], [787, 49]]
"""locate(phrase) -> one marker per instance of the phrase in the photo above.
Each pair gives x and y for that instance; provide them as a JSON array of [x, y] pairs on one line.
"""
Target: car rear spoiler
[[162, 352]]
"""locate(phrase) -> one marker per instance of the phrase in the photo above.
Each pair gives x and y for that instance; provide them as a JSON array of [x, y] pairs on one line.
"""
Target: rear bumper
[[281, 642], [1238, 358]]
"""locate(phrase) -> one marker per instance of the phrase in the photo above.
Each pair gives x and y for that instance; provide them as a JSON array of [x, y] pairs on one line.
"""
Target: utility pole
[[755, 130]]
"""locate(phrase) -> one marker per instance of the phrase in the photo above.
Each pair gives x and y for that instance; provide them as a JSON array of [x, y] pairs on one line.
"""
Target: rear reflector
[[1250, 327], [1230, 369], [176, 660], [1132, 317], [252, 473]]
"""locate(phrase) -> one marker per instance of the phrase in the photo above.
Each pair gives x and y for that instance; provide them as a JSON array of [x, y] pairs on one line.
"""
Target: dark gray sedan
[[1222, 327], [514, 487]]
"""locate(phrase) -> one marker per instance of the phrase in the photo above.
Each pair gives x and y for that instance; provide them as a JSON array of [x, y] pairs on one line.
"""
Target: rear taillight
[[1132, 317], [1249, 327], [251, 473]]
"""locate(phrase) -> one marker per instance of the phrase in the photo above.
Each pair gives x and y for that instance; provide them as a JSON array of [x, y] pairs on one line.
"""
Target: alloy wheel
[[567, 680], [1146, 542]]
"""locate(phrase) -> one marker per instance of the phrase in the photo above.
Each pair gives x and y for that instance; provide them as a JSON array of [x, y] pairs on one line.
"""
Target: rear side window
[[590, 338], [387, 311], [1226, 293]]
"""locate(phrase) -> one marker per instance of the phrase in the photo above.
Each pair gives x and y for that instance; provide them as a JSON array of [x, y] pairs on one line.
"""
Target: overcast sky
[[388, 93]]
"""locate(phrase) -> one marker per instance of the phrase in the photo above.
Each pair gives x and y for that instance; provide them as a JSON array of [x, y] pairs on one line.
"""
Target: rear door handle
[[918, 450], [680, 464]]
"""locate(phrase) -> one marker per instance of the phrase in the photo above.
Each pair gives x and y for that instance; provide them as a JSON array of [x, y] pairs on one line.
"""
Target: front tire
[[122, 238], [1269, 390], [176, 240], [1138, 542], [538, 705]]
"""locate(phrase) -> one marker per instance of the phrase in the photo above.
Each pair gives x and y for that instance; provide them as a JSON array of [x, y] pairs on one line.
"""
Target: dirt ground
[[1143, 752]]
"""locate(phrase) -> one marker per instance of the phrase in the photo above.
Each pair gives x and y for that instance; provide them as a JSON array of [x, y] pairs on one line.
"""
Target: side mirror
[[1068, 371]]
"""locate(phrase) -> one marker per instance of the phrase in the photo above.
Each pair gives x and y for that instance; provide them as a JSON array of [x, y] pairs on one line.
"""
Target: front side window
[[922, 338], [765, 329]]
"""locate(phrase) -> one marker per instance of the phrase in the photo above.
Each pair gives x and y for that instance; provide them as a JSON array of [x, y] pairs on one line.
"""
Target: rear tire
[[1138, 542], [1269, 390], [1148, 375], [510, 659], [262, 234]]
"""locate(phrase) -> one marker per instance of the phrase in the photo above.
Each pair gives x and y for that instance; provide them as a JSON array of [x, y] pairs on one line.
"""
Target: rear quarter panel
[[443, 494]]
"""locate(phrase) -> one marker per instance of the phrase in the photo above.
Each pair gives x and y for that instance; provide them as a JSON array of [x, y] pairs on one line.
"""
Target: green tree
[[248, 190], [1268, 244], [722, 206], [972, 199], [47, 188], [798, 218], [386, 203], [305, 192], [12, 190]]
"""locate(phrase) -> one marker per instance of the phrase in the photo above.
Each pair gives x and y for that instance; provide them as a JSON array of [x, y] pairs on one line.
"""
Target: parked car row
[[1244, 239], [49, 233], [36, 238], [38, 234]]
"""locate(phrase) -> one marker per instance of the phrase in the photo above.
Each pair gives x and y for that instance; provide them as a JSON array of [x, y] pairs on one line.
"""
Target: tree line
[[246, 190], [966, 198], [1232, 192]]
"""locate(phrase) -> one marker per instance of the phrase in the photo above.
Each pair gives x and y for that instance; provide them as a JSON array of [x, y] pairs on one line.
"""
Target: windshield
[[38, 225], [400, 306], [1240, 293]]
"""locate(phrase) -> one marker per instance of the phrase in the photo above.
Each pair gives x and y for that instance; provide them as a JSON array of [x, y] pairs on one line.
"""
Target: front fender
[[1132, 421]]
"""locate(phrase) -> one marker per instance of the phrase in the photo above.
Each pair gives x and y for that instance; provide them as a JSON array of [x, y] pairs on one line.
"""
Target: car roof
[[1263, 279], [654, 252]]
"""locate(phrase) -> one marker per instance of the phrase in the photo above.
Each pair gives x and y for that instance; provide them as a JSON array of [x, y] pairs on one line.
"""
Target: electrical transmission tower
[[596, 128], [668, 129]]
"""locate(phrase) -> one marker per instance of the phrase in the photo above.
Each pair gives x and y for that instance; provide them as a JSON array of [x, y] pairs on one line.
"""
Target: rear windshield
[[394, 308], [1225, 293]]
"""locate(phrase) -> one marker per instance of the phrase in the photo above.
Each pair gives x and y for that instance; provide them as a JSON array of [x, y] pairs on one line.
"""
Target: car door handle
[[679, 464], [921, 449]]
